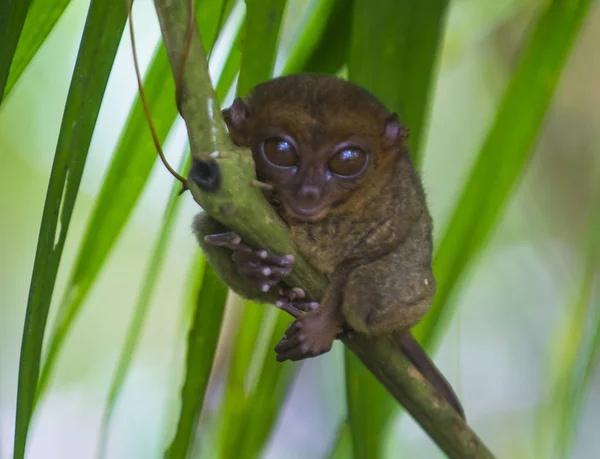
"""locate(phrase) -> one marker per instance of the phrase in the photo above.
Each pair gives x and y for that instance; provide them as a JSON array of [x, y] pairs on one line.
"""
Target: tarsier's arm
[[253, 274], [221, 260]]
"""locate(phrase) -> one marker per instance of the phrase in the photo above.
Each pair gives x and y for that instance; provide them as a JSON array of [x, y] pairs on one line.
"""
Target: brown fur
[[379, 224], [373, 238]]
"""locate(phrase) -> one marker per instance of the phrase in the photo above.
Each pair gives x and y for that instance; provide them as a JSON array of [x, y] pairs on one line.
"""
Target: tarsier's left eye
[[280, 152], [348, 162]]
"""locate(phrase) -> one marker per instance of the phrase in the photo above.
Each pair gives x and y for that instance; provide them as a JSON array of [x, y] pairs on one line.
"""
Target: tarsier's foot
[[288, 301], [260, 267], [309, 336]]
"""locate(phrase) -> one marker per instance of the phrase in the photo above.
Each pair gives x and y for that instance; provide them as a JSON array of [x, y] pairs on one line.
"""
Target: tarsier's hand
[[264, 271], [309, 336]]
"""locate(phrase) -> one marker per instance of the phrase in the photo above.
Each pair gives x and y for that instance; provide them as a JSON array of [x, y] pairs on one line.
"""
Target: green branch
[[240, 206]]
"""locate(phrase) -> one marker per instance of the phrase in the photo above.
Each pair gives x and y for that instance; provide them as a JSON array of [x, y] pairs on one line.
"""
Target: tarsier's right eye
[[280, 152], [348, 162]]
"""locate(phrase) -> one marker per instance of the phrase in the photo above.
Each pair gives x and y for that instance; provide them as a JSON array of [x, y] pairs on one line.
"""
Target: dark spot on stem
[[205, 173]]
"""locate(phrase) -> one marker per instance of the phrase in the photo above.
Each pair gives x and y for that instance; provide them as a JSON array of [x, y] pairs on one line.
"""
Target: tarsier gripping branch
[[338, 173]]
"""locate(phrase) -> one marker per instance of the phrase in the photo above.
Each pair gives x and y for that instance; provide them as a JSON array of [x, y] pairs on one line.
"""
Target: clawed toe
[[229, 240]]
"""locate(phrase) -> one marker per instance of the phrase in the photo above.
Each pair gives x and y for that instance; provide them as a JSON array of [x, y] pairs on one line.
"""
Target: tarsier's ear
[[235, 117], [394, 132]]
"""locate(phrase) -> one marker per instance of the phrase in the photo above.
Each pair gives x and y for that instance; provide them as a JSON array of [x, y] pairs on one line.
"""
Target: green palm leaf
[[504, 154], [94, 62], [12, 18], [41, 19], [127, 175]]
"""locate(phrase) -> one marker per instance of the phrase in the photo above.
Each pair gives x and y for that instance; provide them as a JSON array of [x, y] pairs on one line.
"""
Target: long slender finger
[[229, 240], [263, 257], [304, 306], [294, 328], [300, 352], [263, 271], [258, 272], [291, 310], [287, 344]]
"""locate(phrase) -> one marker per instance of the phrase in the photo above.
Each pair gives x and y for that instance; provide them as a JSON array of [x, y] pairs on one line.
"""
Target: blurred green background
[[526, 313]]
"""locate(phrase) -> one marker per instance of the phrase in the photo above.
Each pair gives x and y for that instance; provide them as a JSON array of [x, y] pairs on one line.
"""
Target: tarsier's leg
[[389, 294], [398, 297], [253, 274]]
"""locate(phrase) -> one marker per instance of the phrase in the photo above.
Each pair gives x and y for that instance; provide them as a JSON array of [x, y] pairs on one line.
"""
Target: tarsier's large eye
[[280, 152], [348, 161]]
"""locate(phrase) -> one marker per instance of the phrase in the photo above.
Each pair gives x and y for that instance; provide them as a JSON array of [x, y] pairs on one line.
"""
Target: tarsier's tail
[[417, 356]]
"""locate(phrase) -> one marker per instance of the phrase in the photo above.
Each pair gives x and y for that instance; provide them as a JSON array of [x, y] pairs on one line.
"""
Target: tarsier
[[341, 178]]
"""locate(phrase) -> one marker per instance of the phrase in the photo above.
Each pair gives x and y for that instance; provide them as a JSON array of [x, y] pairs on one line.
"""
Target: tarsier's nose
[[309, 195]]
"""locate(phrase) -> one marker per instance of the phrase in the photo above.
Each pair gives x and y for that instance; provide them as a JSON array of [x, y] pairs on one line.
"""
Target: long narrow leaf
[[12, 18], [272, 388], [342, 449], [580, 356], [238, 385], [41, 19], [394, 51], [193, 283], [202, 343], [141, 308], [94, 62], [261, 34], [125, 180], [230, 69], [331, 53], [320, 18], [504, 154]]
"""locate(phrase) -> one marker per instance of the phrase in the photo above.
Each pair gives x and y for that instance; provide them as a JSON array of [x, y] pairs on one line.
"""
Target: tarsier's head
[[315, 139]]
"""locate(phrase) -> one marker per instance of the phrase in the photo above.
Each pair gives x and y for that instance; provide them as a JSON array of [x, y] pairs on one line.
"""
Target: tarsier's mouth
[[307, 214]]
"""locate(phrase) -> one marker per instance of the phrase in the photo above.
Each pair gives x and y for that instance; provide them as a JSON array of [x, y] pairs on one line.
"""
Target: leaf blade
[[315, 33], [127, 175], [503, 155], [260, 42], [202, 344], [12, 18], [140, 309], [83, 104], [41, 19], [123, 184], [400, 72], [578, 356]]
